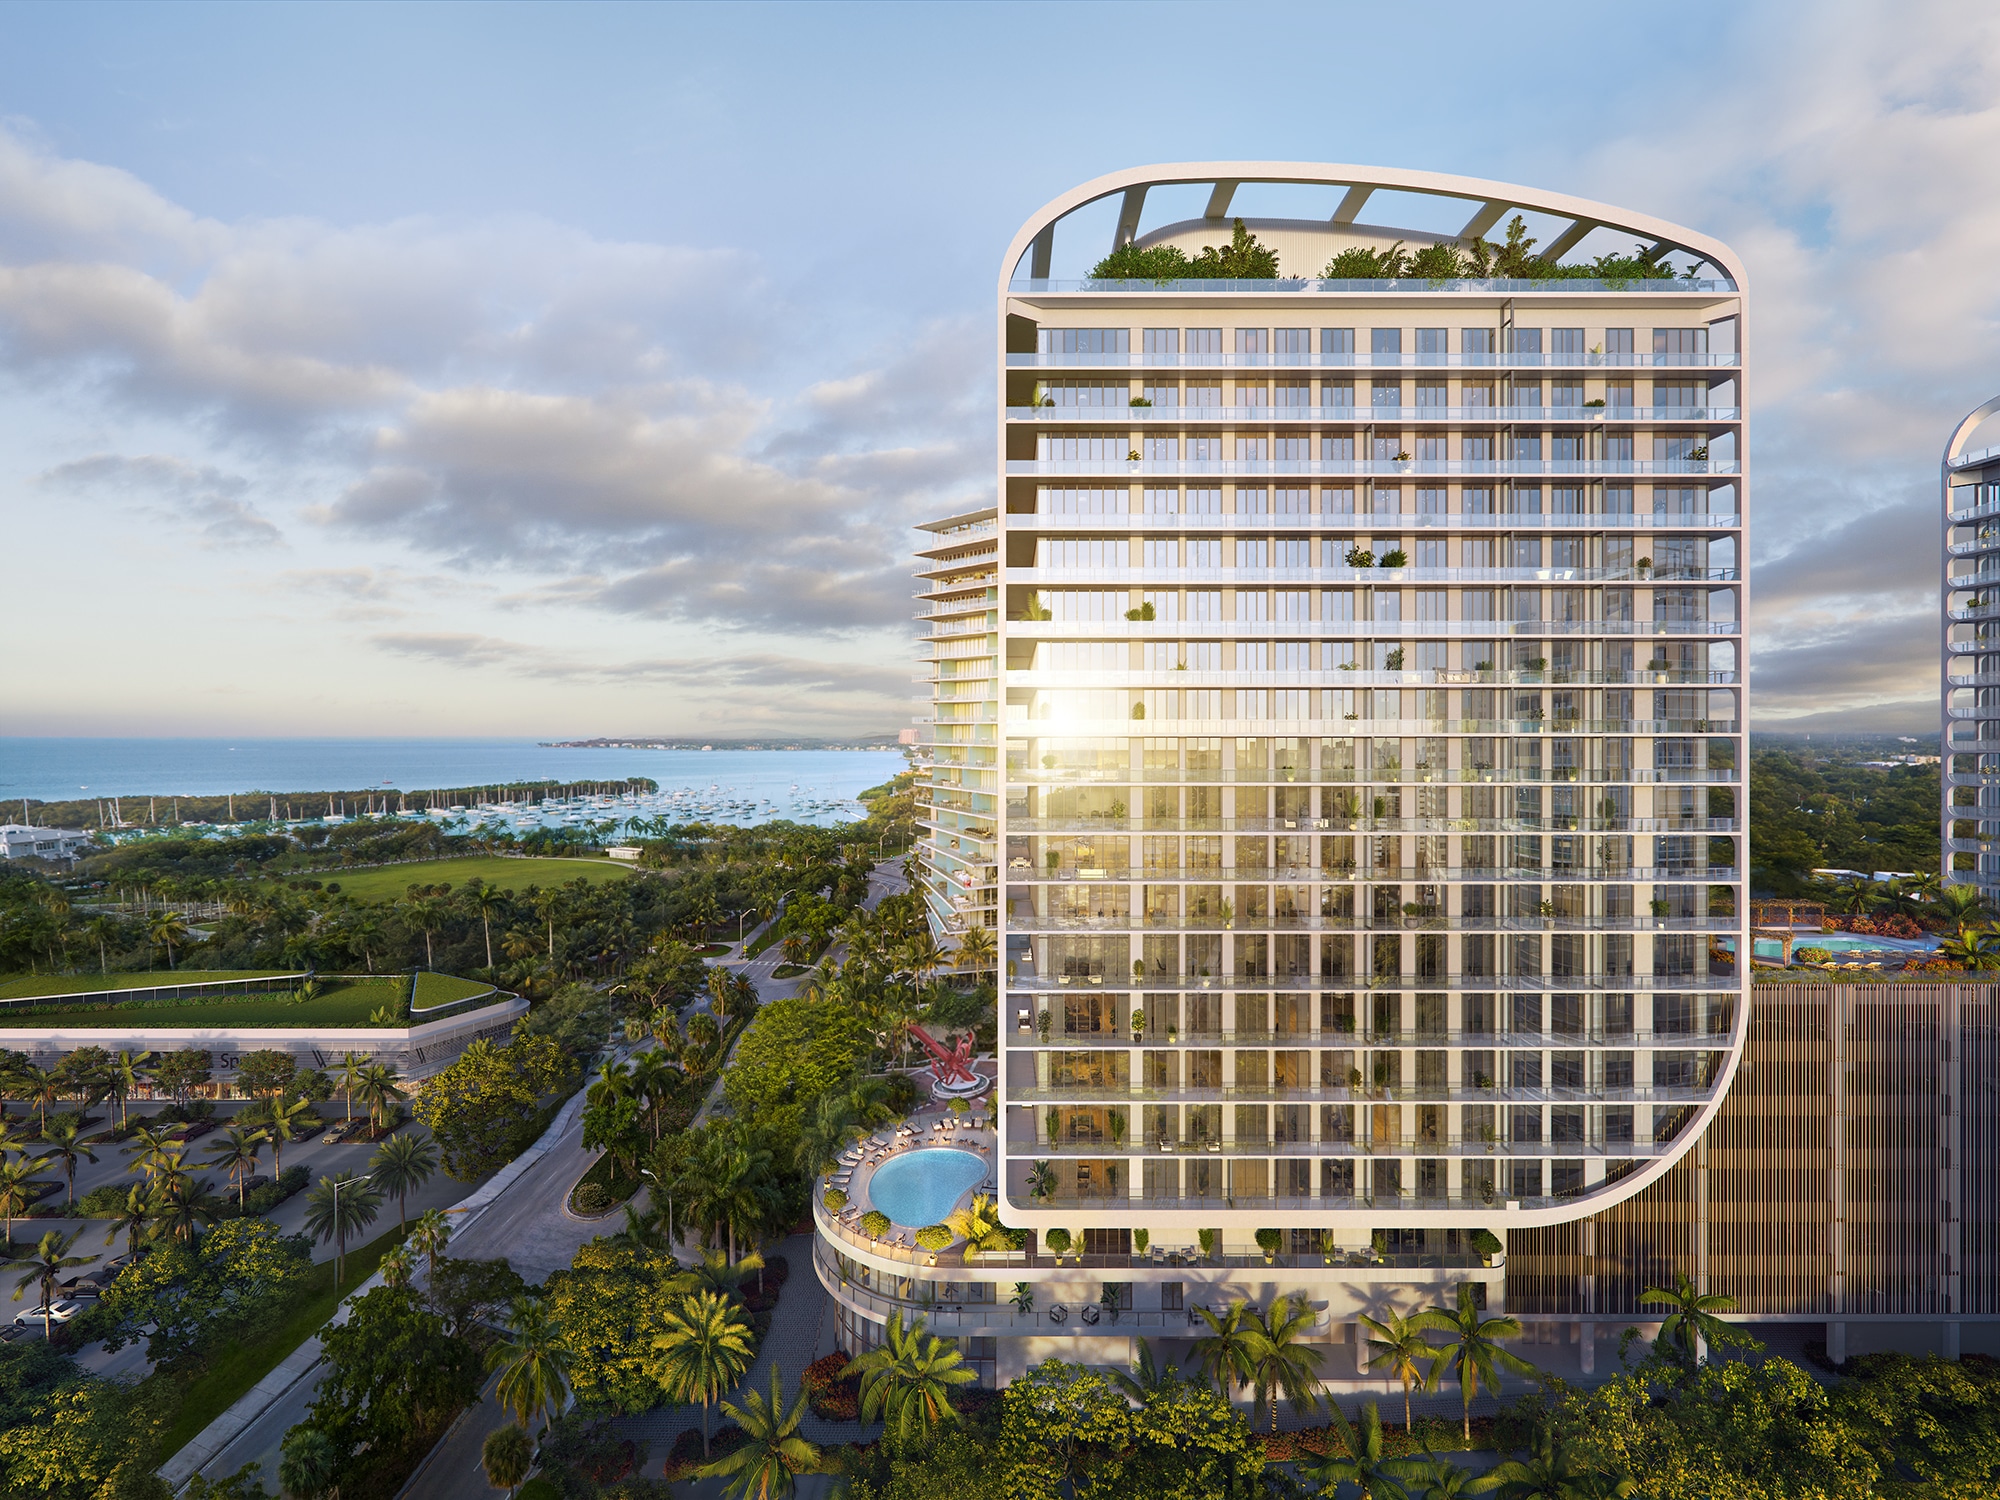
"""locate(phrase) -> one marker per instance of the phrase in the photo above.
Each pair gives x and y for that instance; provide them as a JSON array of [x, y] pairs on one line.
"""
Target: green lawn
[[342, 1004], [390, 882], [79, 984], [223, 1383], [434, 990]]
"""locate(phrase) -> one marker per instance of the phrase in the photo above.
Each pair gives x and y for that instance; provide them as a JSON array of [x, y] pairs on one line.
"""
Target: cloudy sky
[[574, 371]]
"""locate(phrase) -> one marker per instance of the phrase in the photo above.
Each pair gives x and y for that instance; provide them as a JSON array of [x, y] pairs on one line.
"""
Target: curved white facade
[[1969, 694], [1370, 741]]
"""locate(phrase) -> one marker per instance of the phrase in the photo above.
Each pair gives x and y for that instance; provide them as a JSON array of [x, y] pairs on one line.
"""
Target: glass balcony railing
[[1374, 521], [1170, 577], [1265, 413], [1224, 468]]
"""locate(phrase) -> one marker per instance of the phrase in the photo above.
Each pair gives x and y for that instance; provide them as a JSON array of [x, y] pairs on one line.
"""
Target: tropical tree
[[715, 1272], [703, 1351], [402, 1164], [1692, 1325], [43, 1086], [168, 931], [1434, 1478], [152, 1146], [340, 1206], [1972, 947], [506, 1456], [484, 901], [237, 1153], [1225, 1355], [428, 1238], [133, 1219], [128, 1071], [309, 1465], [348, 1071], [1554, 1471], [64, 1144], [1146, 1378], [533, 1362], [182, 1204], [16, 1180], [379, 1088], [101, 930], [1280, 1359], [1360, 1461], [1960, 903], [773, 1454], [45, 1266], [977, 950], [907, 1380], [1472, 1351], [284, 1119], [1401, 1347]]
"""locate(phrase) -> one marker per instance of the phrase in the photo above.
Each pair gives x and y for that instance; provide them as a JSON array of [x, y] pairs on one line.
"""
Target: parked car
[[11, 1331], [338, 1131], [59, 1312]]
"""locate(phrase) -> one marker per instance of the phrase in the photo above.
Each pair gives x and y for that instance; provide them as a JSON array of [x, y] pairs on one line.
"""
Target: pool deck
[[923, 1131]]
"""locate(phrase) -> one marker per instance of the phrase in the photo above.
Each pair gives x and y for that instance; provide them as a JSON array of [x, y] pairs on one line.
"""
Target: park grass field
[[390, 882]]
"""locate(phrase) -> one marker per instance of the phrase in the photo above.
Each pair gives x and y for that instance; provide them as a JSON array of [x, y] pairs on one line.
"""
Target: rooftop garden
[[263, 1000], [1245, 258]]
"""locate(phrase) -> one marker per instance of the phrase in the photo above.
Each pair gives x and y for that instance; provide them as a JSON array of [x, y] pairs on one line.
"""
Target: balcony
[[1318, 629], [1445, 1144], [1373, 521], [1024, 983], [1364, 1037], [1182, 577], [1247, 468], [1362, 823], [1367, 361], [1265, 414]]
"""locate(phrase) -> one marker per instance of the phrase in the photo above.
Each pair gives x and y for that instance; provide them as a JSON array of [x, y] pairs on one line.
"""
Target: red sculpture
[[954, 1066]]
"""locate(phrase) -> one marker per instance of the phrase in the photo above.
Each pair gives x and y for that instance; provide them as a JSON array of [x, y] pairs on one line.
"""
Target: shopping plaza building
[[1340, 717]]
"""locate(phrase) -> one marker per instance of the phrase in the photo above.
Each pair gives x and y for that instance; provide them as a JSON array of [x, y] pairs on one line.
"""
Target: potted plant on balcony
[[1268, 1241], [1041, 1181], [1485, 1244], [1359, 556], [1044, 1024], [1207, 1238], [1141, 1240], [1138, 1013], [1328, 1246], [1058, 1242], [1117, 1124], [875, 1223], [1395, 557], [1054, 1119], [834, 1199]]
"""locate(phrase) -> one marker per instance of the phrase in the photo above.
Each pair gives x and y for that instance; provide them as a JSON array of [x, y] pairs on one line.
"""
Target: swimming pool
[[921, 1187], [1840, 942]]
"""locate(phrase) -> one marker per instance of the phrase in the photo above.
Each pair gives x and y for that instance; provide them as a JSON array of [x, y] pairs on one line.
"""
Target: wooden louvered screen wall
[[1854, 1169]]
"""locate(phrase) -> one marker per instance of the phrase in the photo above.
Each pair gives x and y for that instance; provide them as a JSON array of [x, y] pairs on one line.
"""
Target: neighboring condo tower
[[1365, 799], [1970, 693]]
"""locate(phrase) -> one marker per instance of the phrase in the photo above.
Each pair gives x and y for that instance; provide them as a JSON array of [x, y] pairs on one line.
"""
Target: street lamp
[[746, 912]]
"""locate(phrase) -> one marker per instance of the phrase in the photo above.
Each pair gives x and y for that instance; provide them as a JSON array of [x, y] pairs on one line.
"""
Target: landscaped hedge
[[831, 1398]]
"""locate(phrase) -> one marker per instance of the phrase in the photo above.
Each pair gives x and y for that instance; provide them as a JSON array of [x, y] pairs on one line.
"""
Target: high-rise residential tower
[[1369, 779], [1970, 694]]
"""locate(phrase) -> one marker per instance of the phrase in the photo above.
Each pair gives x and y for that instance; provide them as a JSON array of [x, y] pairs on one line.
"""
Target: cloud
[[765, 690], [197, 494]]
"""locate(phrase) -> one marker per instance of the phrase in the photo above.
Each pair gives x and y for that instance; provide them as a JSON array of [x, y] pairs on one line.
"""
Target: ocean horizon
[[64, 769]]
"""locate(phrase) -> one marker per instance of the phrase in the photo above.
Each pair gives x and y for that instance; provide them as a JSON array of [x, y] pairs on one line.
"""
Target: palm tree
[[764, 1467], [340, 1206], [506, 1456], [42, 1085], [1435, 1478], [906, 1382], [485, 900], [717, 1273], [349, 1070], [1972, 947], [533, 1363], [1281, 1361], [1146, 1378], [182, 1205], [402, 1164], [308, 1465], [46, 1265], [1960, 903], [1693, 1323], [152, 1146], [101, 930], [830, 1131], [379, 1089], [128, 1070], [237, 1153], [15, 1178], [1401, 1346], [167, 930], [1472, 1352], [283, 1120], [65, 1144], [1360, 1461], [1224, 1354], [704, 1351], [1552, 1472], [134, 1219], [429, 1236], [976, 950]]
